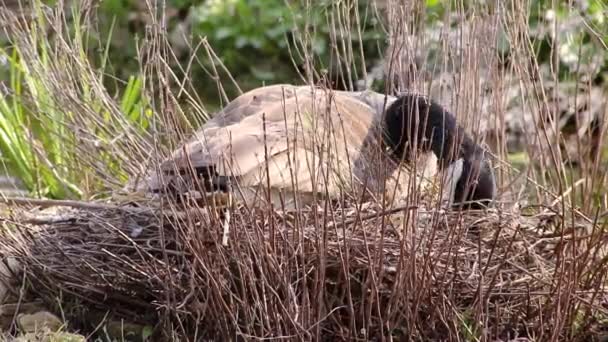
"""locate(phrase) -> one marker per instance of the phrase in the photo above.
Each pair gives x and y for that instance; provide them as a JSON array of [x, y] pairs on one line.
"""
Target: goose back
[[291, 139]]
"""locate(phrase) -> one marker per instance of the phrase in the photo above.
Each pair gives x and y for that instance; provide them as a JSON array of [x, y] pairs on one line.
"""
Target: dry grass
[[412, 272], [347, 270]]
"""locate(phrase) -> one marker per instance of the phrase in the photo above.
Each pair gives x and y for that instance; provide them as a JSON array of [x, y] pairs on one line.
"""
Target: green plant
[[578, 43], [33, 141], [41, 129], [259, 41]]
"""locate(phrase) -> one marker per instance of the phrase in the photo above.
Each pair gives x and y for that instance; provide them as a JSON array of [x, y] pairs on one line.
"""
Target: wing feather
[[318, 139]]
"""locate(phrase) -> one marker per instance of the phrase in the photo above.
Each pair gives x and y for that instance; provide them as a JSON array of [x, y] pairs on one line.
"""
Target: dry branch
[[411, 271]]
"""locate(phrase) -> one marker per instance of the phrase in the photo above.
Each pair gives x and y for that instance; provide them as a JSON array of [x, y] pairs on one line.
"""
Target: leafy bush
[[243, 32], [261, 40]]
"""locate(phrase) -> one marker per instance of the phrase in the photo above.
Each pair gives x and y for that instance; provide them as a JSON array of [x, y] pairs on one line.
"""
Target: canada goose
[[415, 123], [315, 140]]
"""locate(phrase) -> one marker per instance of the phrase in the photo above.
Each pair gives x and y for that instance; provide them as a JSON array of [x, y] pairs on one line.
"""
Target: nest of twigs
[[360, 272]]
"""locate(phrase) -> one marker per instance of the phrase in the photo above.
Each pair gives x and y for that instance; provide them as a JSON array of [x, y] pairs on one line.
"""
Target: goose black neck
[[413, 122]]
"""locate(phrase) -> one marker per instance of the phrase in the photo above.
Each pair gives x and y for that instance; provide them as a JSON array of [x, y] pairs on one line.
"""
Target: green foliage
[[257, 24], [33, 141], [249, 36], [36, 142], [147, 332], [469, 328], [261, 41], [580, 43], [257, 40], [118, 8], [135, 106]]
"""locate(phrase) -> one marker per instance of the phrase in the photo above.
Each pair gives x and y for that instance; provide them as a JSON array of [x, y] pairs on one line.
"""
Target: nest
[[325, 273]]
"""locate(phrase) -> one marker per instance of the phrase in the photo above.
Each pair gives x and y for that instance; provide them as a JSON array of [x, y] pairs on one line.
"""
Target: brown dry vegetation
[[532, 268]]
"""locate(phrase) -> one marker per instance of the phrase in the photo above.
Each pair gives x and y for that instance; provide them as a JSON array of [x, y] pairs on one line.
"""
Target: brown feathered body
[[286, 142]]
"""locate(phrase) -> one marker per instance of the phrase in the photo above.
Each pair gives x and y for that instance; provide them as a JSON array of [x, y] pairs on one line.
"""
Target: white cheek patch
[[450, 178], [427, 165]]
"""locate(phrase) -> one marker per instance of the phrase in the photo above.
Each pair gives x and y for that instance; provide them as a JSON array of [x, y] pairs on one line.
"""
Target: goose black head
[[414, 123]]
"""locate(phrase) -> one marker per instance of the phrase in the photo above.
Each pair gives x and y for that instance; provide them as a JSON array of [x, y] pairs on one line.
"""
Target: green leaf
[[432, 3], [147, 332]]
